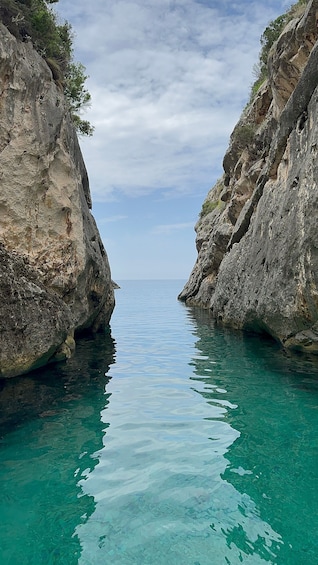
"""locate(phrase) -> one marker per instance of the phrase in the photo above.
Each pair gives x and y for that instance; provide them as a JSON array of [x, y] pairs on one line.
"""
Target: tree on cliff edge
[[35, 20]]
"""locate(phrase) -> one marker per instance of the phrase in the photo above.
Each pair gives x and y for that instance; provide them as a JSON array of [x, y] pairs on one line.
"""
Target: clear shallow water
[[169, 442]]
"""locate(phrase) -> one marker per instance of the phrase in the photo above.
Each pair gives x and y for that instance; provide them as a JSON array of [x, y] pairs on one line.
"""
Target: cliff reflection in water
[[273, 463], [202, 449], [50, 430]]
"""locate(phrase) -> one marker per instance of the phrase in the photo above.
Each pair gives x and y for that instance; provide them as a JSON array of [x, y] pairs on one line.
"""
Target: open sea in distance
[[170, 441]]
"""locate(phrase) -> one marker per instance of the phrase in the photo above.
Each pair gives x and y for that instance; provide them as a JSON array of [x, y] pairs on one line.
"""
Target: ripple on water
[[171, 442]]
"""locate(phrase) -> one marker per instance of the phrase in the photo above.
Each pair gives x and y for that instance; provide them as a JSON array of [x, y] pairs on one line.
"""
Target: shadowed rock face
[[257, 265], [54, 273]]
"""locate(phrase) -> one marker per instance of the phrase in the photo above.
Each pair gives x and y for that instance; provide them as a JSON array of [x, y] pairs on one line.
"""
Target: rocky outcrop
[[257, 239], [54, 274]]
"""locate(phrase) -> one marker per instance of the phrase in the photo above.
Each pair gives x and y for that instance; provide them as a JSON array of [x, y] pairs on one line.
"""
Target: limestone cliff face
[[54, 272], [257, 265]]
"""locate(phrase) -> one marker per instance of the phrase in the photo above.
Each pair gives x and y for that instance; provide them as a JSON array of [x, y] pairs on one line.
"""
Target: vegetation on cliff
[[36, 20], [268, 38]]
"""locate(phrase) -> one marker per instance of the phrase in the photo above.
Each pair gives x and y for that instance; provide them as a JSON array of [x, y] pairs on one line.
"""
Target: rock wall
[[54, 274], [257, 265]]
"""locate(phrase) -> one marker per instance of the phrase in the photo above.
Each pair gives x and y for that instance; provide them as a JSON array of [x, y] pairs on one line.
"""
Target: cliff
[[257, 237], [54, 278]]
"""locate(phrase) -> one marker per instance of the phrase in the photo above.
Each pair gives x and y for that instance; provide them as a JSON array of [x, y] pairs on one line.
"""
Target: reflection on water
[[273, 462], [41, 392], [42, 458], [197, 447]]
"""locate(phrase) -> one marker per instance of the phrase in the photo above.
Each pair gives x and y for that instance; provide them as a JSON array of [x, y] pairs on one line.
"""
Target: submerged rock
[[55, 278], [257, 265]]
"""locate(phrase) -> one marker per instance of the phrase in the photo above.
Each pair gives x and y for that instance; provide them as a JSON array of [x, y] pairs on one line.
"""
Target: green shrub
[[208, 206], [268, 38], [257, 84], [36, 20], [244, 135]]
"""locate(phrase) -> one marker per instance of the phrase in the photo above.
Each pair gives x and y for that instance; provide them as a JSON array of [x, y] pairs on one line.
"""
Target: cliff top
[[36, 21]]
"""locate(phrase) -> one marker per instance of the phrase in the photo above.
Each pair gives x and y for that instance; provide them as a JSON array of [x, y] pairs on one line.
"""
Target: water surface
[[169, 442]]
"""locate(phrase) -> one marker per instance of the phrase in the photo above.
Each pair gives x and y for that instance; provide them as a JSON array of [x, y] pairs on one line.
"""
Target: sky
[[168, 81]]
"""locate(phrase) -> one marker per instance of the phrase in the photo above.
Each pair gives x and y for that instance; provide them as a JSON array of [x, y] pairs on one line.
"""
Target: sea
[[167, 441]]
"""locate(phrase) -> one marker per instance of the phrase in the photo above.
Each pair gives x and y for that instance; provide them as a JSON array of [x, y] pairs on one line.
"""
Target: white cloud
[[168, 81], [112, 219], [167, 229]]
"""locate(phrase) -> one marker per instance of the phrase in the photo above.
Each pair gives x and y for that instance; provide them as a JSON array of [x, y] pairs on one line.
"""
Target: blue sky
[[168, 79]]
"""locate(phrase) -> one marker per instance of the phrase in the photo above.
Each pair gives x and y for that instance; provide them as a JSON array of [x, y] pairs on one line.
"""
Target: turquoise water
[[168, 442]]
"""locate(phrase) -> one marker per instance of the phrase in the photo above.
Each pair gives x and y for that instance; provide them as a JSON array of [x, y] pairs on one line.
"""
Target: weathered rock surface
[[257, 265], [54, 274]]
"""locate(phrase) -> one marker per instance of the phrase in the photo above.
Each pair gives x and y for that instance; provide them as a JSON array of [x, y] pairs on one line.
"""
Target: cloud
[[112, 219], [168, 81], [167, 229]]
